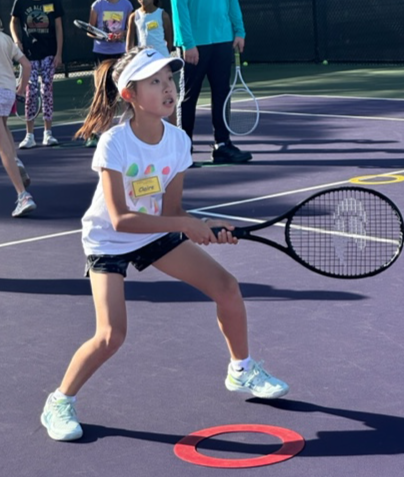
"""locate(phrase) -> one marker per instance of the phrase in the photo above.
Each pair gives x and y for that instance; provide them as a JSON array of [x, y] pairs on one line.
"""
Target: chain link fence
[[344, 31]]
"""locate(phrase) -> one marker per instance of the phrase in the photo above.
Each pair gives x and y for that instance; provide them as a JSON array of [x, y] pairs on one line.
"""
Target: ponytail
[[105, 102]]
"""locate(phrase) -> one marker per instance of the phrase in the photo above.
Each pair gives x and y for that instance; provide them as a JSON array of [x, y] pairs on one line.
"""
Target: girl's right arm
[[124, 220], [93, 20], [131, 36], [26, 73]]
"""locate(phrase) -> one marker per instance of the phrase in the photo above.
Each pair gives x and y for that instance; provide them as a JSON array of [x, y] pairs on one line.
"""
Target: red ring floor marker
[[292, 444]]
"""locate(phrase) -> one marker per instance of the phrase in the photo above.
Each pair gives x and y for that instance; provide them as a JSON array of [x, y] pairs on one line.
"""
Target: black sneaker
[[230, 154]]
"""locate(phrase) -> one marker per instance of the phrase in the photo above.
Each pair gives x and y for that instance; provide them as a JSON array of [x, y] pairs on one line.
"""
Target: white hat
[[145, 64]]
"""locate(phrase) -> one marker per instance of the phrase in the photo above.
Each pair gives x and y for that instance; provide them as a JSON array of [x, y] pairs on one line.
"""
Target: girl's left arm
[[168, 31], [172, 200], [59, 42]]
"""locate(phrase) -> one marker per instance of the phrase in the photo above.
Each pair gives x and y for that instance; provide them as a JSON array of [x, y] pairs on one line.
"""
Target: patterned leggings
[[46, 70]]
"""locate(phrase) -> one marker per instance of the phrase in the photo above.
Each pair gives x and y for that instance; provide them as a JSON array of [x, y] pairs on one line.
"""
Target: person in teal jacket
[[206, 32]]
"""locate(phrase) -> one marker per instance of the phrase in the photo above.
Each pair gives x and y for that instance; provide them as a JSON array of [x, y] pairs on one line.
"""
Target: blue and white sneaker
[[25, 205], [255, 381], [60, 419]]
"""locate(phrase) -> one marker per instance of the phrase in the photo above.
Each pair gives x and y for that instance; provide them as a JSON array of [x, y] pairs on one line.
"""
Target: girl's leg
[[190, 264], [47, 74], [111, 325], [7, 153], [31, 95]]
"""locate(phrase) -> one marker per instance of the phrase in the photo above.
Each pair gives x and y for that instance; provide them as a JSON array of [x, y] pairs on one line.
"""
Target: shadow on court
[[168, 292]]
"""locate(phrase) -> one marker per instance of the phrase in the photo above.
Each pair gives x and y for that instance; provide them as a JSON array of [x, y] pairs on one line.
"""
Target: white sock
[[241, 364], [57, 395], [47, 132]]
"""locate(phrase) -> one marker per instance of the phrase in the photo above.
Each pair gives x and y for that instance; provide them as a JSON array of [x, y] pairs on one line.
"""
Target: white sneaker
[[25, 205], [27, 142], [255, 381], [48, 139], [60, 419], [23, 173]]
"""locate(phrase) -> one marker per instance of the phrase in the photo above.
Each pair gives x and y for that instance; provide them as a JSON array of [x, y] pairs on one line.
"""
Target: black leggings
[[214, 63]]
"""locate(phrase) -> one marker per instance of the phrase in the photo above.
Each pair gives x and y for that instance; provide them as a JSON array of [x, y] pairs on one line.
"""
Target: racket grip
[[237, 232]]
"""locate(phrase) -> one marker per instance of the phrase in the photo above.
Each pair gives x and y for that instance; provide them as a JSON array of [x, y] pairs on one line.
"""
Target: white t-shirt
[[146, 172], [9, 52]]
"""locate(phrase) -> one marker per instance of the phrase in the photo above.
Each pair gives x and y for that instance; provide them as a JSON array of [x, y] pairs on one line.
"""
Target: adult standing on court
[[206, 32], [36, 27], [112, 17]]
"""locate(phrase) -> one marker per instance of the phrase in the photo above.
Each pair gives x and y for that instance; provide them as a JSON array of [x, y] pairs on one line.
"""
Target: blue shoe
[[255, 381], [60, 419]]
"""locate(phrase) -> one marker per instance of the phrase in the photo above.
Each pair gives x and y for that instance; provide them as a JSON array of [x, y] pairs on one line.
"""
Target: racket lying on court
[[94, 31], [241, 112], [19, 106], [347, 232]]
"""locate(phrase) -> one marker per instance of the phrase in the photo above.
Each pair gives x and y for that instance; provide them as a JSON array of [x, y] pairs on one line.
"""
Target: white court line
[[322, 115], [282, 194], [202, 210], [332, 96], [37, 239]]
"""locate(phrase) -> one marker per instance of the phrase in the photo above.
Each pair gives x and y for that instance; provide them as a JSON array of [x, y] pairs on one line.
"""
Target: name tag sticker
[[149, 186], [48, 8], [152, 25]]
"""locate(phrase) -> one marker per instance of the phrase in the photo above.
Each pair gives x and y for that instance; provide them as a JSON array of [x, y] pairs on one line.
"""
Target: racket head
[[20, 110], [345, 232], [99, 34], [241, 111]]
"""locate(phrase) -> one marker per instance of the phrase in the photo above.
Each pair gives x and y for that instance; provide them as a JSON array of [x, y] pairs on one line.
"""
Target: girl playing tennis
[[15, 169], [136, 217]]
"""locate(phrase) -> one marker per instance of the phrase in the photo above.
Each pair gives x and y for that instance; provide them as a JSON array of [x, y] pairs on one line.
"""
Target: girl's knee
[[109, 340], [229, 288]]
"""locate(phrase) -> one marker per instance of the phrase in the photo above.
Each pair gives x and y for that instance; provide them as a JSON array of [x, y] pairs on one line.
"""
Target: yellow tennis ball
[[245, 63], [325, 62], [79, 81]]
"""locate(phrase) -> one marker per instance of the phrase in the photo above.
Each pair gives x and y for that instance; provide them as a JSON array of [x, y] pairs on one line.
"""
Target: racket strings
[[241, 112], [346, 233]]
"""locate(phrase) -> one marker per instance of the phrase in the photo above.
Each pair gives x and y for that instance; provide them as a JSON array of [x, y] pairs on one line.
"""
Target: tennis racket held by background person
[[94, 31], [345, 232], [240, 110]]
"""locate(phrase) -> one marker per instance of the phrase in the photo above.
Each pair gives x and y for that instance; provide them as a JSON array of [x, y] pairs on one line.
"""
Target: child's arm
[[172, 206], [15, 28], [168, 31], [124, 220], [131, 36], [93, 20], [26, 73]]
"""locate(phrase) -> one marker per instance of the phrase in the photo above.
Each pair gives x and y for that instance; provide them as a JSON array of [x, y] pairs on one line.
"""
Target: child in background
[[15, 169], [136, 216], [151, 26], [36, 27]]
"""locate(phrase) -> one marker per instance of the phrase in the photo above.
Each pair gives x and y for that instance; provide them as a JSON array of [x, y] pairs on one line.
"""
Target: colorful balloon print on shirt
[[166, 170], [133, 170], [156, 207], [149, 169], [143, 210]]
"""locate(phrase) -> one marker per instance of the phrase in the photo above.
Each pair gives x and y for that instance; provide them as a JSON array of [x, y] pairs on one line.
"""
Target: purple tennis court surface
[[338, 343]]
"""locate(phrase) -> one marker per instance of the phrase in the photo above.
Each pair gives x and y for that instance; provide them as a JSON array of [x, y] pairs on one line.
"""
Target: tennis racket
[[94, 31], [347, 232], [19, 106], [241, 112]]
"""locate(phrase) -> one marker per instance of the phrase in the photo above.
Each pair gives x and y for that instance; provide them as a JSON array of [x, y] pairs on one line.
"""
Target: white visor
[[145, 64]]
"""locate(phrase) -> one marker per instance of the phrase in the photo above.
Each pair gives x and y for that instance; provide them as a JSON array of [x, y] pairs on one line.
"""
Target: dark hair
[[105, 103], [1, 25]]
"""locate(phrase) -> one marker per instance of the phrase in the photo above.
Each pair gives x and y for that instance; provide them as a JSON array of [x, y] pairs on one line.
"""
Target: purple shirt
[[111, 18]]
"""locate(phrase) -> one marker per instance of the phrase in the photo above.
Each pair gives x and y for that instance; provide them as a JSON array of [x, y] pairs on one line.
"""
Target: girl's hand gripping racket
[[240, 111], [96, 32], [347, 232]]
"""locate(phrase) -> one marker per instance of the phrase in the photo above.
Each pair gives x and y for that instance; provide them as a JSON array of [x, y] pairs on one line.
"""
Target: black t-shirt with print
[[37, 18]]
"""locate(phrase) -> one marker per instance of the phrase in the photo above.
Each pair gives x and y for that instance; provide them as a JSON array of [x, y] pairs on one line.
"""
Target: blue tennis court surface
[[337, 343]]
